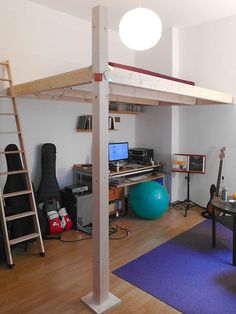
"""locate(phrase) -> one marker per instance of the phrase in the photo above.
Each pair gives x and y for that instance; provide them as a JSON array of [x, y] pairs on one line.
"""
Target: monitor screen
[[118, 151]]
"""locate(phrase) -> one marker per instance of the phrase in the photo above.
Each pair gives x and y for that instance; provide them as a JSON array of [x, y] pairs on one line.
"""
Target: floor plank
[[56, 283]]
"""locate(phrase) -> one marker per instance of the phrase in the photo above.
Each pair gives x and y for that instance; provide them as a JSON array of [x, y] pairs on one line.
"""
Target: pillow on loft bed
[[139, 70]]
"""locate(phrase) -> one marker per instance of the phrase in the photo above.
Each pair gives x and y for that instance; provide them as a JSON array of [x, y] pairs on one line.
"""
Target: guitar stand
[[187, 203]]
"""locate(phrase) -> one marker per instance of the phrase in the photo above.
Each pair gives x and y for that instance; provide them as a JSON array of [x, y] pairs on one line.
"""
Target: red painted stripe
[[134, 69]]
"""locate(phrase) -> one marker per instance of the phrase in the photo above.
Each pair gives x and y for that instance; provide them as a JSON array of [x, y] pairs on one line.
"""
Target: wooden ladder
[[33, 211]]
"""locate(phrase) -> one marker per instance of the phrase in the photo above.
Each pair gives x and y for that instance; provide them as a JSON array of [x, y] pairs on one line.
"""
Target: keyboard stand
[[80, 175]]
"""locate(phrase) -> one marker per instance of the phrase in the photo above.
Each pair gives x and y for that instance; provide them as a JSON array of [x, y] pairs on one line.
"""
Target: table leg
[[213, 227], [234, 240]]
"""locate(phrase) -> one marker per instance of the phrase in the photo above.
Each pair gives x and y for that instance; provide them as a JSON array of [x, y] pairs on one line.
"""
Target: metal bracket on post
[[98, 77]]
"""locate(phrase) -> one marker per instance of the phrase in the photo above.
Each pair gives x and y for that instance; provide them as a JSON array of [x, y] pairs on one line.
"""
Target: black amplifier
[[77, 199], [142, 155], [77, 189]]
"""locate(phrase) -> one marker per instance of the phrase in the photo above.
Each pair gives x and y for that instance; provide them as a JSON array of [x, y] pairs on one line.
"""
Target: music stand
[[189, 163]]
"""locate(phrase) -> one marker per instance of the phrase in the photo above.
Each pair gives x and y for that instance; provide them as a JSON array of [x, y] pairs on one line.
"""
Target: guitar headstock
[[222, 153]]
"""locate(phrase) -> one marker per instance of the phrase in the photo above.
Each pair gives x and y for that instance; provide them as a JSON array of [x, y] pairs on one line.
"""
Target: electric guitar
[[214, 190]]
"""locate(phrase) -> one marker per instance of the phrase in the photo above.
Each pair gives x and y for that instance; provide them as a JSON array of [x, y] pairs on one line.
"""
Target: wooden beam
[[126, 94], [151, 97], [100, 299], [45, 96], [72, 78], [117, 94], [140, 80]]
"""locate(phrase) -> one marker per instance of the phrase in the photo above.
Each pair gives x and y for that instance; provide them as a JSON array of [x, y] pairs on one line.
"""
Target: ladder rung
[[10, 132], [16, 193], [5, 80], [21, 215], [6, 96], [24, 238], [12, 152], [8, 114], [12, 172], [4, 63]]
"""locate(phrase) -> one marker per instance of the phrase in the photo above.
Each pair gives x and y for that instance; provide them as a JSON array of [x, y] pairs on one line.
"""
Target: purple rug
[[187, 273]]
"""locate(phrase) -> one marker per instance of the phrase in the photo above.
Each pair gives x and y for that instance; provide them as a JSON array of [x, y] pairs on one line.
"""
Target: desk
[[229, 221], [127, 176]]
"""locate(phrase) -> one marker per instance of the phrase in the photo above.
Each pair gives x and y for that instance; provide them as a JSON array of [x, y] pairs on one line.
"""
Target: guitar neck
[[219, 178]]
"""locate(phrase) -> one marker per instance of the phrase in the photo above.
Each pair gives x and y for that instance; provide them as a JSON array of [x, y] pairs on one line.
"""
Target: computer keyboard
[[133, 165]]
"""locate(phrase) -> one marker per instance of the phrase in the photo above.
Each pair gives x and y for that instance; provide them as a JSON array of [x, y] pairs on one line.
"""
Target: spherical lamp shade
[[140, 29]]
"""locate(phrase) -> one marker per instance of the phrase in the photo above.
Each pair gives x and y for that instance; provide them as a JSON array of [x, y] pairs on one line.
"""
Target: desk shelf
[[149, 177]]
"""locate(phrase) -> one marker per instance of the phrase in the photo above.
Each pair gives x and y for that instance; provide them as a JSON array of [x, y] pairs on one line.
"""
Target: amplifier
[[142, 155], [77, 189], [78, 206]]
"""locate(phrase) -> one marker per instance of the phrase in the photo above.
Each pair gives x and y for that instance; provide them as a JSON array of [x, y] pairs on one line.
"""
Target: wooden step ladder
[[33, 211]]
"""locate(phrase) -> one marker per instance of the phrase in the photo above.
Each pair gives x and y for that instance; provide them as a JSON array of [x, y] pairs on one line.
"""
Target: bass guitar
[[215, 190]]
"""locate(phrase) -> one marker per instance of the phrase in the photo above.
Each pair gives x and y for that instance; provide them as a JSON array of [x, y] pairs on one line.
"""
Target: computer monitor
[[118, 151]]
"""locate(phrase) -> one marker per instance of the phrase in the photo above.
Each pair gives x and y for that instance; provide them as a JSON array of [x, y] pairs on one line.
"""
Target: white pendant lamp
[[140, 29]]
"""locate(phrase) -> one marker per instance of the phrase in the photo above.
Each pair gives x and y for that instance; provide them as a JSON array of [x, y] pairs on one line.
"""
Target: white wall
[[39, 42], [153, 127], [158, 58], [208, 56], [153, 130], [43, 123]]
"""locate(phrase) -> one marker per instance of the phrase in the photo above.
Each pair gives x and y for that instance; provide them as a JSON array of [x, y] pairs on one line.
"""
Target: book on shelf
[[111, 123], [81, 122], [115, 106], [88, 124]]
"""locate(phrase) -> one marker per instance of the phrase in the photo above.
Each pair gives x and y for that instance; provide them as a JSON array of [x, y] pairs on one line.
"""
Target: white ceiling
[[172, 12]]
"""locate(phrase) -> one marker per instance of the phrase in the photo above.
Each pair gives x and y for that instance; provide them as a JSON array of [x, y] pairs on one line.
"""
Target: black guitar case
[[16, 204], [2, 248], [48, 186]]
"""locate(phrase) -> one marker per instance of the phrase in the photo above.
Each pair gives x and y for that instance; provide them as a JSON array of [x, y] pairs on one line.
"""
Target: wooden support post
[[100, 299]]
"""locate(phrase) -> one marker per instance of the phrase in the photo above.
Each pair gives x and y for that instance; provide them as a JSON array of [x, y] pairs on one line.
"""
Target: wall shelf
[[89, 131], [124, 112]]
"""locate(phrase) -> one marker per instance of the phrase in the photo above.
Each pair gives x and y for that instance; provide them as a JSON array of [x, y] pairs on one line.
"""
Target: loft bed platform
[[126, 84]]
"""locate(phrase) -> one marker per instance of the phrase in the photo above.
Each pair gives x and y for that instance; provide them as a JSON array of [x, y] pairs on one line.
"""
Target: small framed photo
[[197, 163], [180, 162]]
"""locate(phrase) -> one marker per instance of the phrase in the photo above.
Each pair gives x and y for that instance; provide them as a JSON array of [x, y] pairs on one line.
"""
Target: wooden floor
[[56, 283]]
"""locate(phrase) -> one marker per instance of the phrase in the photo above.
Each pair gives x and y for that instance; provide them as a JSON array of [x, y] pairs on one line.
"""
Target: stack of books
[[115, 106], [85, 123]]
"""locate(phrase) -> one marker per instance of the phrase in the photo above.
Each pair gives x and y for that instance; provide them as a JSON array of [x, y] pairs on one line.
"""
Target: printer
[[140, 155]]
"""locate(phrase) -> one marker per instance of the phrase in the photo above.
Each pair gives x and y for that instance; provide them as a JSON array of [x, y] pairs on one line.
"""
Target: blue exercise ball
[[149, 200]]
